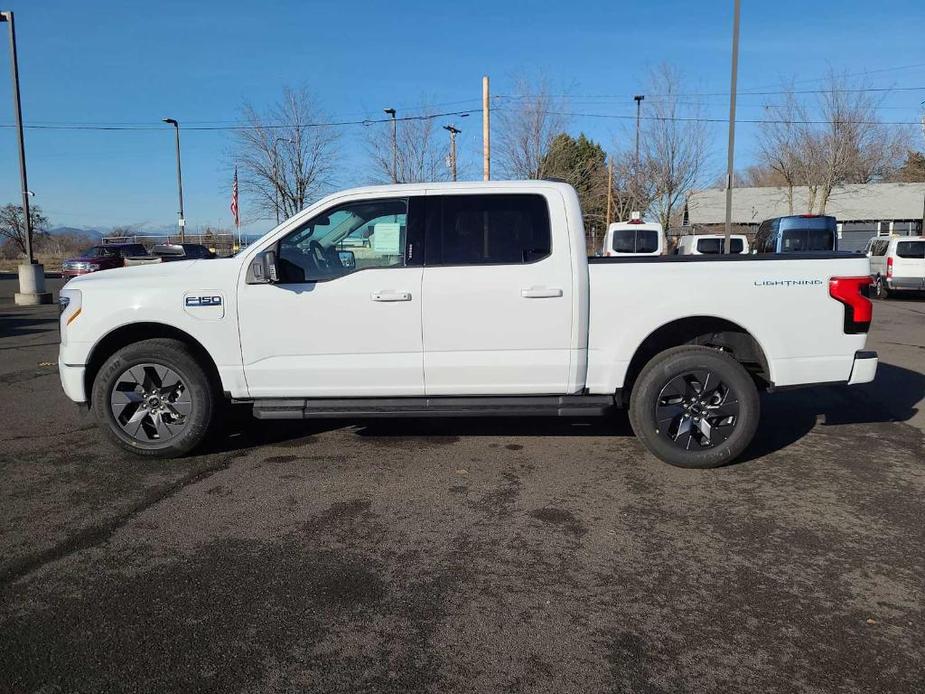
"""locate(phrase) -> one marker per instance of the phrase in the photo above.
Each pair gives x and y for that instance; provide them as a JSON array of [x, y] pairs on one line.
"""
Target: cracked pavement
[[472, 555]]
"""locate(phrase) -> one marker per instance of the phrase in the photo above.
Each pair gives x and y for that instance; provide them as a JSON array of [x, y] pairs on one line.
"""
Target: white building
[[862, 210]]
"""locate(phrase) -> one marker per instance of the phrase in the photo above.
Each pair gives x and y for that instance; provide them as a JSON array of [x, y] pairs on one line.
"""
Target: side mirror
[[263, 269], [347, 260]]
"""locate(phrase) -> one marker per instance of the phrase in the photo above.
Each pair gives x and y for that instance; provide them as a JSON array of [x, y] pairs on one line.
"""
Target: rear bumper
[[864, 368], [906, 283], [72, 380]]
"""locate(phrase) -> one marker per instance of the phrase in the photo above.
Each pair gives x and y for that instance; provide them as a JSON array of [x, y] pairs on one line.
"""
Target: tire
[[880, 289], [154, 399], [686, 427]]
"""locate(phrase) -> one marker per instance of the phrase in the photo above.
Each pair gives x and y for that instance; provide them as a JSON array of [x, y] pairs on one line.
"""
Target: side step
[[519, 406]]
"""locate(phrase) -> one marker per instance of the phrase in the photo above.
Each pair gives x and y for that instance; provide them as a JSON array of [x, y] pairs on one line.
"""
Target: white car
[[473, 299], [711, 244], [897, 264], [633, 238]]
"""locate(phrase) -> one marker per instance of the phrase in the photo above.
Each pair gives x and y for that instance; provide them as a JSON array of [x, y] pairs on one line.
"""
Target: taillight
[[852, 292], [889, 266]]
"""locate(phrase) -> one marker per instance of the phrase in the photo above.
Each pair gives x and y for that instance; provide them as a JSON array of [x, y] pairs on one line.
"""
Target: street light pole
[[392, 114], [453, 130], [17, 112], [31, 274], [727, 243], [182, 220], [638, 99]]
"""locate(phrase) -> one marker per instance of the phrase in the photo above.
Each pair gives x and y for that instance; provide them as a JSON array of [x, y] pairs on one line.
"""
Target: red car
[[101, 258]]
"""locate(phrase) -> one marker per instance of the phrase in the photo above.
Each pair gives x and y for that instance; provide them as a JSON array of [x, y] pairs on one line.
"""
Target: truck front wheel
[[694, 407], [154, 399]]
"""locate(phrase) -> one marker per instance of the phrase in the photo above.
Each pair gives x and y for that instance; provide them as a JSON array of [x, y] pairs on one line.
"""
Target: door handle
[[389, 295], [541, 292]]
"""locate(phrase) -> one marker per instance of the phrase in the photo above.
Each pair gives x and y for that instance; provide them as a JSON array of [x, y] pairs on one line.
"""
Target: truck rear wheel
[[694, 407], [154, 399]]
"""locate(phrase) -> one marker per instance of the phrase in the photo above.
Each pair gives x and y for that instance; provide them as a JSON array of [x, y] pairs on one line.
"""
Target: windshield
[[635, 241], [711, 246]]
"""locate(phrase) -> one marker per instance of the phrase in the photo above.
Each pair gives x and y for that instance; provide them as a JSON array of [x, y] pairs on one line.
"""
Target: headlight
[[69, 306]]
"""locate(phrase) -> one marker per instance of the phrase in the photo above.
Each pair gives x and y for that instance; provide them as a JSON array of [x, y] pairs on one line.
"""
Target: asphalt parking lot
[[521, 555]]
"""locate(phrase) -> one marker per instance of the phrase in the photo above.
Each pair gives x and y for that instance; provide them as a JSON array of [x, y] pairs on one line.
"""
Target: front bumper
[[72, 380], [864, 368]]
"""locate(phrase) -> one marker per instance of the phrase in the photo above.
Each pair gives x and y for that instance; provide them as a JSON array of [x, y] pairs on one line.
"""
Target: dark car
[[103, 257], [182, 251], [800, 233]]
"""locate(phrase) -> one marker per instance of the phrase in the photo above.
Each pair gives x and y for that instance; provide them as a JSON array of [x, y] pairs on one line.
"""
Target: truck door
[[344, 319], [497, 316]]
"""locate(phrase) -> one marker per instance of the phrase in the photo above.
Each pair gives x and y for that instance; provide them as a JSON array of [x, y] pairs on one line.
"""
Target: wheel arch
[[125, 335], [709, 331]]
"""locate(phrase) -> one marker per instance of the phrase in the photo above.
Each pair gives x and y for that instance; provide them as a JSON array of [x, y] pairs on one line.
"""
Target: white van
[[897, 264], [634, 238], [711, 244]]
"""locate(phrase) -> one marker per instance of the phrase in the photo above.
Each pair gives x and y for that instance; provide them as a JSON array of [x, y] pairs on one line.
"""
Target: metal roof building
[[862, 210]]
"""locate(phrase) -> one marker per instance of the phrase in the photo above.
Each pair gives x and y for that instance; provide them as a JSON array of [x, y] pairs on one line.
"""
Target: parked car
[[801, 233], [104, 257], [897, 264], [635, 237], [710, 244], [181, 251], [475, 299]]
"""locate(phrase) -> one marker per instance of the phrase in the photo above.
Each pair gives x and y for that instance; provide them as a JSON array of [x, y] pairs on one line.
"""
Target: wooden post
[[609, 193], [486, 130]]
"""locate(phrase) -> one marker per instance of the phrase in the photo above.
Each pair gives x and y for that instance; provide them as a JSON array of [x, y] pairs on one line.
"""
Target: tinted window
[[489, 229], [635, 241], [910, 249], [133, 250], [321, 248], [710, 246], [798, 240]]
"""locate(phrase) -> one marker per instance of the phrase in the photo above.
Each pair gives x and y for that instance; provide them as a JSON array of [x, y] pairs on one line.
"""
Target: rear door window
[[715, 246], [488, 230], [798, 240], [635, 241], [910, 249]]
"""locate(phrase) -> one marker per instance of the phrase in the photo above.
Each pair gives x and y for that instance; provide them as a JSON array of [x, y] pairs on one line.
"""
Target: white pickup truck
[[471, 299]]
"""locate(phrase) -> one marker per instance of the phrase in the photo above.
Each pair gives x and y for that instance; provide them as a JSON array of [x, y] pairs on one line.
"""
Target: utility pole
[[181, 222], [454, 131], [31, 274], [732, 125], [392, 114], [609, 196], [486, 130]]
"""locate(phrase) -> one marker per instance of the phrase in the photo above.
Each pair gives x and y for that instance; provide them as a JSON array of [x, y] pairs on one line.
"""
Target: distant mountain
[[93, 233]]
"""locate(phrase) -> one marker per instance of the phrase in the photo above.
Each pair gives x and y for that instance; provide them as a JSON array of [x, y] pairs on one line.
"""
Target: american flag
[[234, 199]]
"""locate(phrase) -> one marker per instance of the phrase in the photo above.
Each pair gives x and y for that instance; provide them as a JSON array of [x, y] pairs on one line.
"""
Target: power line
[[142, 127], [694, 119], [688, 94]]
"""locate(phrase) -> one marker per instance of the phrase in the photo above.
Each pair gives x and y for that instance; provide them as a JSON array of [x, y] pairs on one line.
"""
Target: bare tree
[[285, 155], [527, 123], [422, 154], [673, 145], [13, 224], [836, 138]]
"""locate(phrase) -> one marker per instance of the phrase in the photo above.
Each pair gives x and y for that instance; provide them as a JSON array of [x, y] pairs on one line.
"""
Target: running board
[[520, 406]]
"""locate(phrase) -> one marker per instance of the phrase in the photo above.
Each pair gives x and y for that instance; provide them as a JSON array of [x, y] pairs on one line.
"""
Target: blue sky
[[134, 62]]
